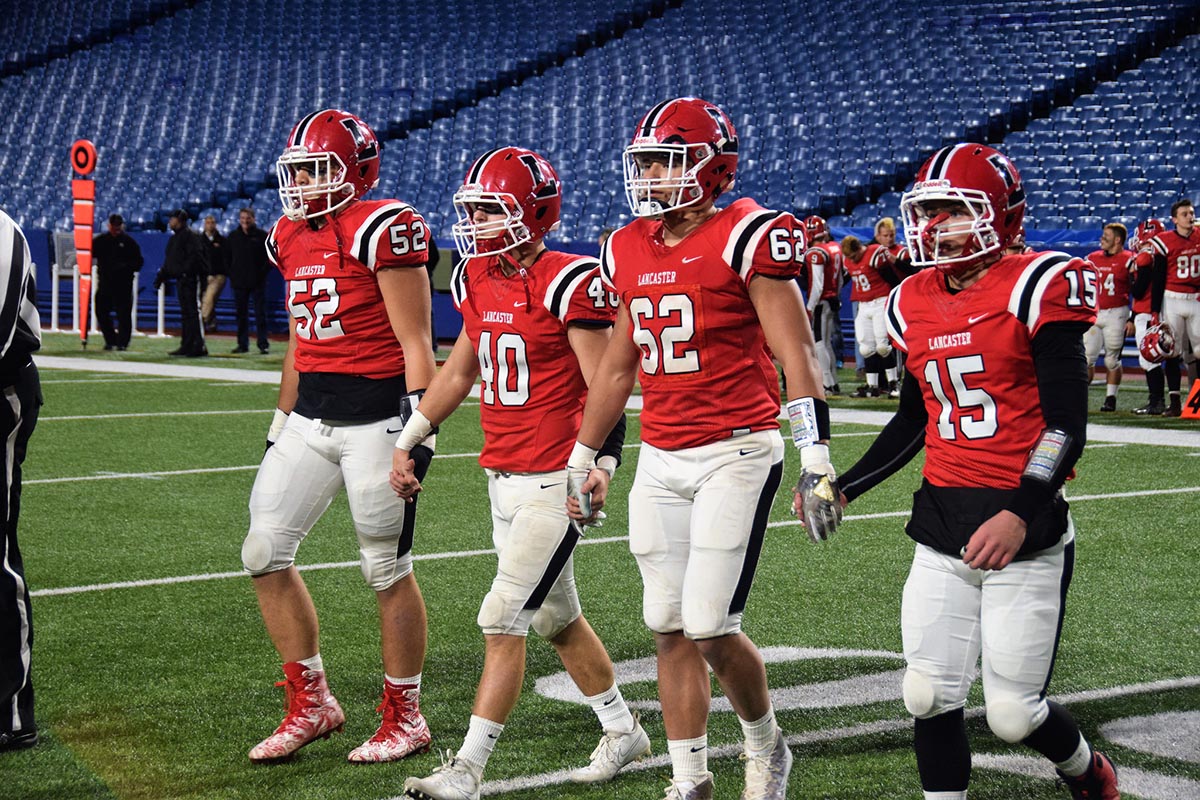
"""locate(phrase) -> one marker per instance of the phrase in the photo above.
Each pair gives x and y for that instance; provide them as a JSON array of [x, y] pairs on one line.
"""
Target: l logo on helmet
[[1004, 168], [550, 189], [365, 152]]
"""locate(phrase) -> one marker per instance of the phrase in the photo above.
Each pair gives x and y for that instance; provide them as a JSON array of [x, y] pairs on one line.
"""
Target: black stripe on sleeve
[[1027, 291], [747, 235], [564, 285]]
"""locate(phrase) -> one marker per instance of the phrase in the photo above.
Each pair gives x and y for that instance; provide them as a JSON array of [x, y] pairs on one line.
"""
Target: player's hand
[[403, 477], [587, 490], [1129, 329], [816, 500], [278, 420], [996, 542]]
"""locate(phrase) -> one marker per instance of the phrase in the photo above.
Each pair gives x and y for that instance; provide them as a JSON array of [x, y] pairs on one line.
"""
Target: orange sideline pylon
[[83, 195]]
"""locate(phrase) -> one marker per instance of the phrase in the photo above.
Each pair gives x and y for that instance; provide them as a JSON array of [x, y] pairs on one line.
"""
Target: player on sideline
[[823, 270], [997, 396], [535, 324], [358, 358], [1175, 291], [1111, 263], [703, 291]]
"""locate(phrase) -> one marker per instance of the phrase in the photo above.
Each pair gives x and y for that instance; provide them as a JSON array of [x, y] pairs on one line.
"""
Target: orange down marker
[[83, 193]]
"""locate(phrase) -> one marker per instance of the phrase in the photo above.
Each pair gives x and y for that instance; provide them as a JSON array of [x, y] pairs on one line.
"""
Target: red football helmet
[[696, 146], [1158, 344], [815, 227], [339, 153], [982, 179], [1144, 233], [520, 184]]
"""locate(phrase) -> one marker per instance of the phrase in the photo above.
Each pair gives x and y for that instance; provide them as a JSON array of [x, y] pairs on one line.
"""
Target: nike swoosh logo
[[493, 736], [329, 255], [691, 259], [973, 320], [697, 749], [389, 430], [548, 485], [610, 702], [747, 452], [518, 305]]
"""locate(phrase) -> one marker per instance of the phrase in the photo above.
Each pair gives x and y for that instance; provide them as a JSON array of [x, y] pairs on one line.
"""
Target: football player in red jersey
[[1141, 273], [822, 272], [997, 395], [703, 291], [872, 275], [358, 358], [1176, 291], [1111, 263], [535, 324]]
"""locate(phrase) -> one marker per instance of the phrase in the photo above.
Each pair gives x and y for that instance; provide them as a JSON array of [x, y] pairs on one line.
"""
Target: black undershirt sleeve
[[1061, 367], [901, 439], [1158, 282], [614, 442]]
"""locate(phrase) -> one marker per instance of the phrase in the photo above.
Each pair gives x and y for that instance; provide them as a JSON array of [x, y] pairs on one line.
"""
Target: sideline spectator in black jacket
[[118, 258], [185, 262], [218, 265], [248, 270]]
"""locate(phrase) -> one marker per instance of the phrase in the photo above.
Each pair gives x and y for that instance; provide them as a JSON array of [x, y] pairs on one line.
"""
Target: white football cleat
[[455, 779], [614, 752], [312, 713], [767, 775], [699, 791]]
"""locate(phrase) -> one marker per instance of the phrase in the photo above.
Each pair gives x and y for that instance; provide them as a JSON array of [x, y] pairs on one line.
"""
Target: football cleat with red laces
[[1098, 783], [312, 713], [403, 731]]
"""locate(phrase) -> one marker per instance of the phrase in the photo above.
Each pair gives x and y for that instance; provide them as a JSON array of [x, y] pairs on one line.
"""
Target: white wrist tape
[[582, 457], [802, 414], [608, 464], [815, 458], [415, 431], [277, 422]]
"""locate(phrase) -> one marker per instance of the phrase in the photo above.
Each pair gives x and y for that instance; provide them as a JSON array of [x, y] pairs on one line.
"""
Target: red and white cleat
[[312, 713], [403, 731]]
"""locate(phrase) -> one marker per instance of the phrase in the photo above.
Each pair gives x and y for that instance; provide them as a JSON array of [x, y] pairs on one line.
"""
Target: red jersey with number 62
[[971, 352], [705, 371], [533, 392], [341, 323]]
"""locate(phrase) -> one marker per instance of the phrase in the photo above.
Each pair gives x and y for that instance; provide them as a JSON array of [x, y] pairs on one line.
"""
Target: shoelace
[[607, 746], [759, 769]]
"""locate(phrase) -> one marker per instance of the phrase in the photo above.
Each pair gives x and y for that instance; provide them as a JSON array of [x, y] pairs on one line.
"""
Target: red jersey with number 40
[[971, 353], [705, 371], [333, 294], [1112, 278], [533, 391]]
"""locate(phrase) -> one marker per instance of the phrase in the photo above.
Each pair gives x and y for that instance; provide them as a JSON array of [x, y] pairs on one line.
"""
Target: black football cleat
[[17, 741], [1174, 407], [1109, 404], [1151, 409]]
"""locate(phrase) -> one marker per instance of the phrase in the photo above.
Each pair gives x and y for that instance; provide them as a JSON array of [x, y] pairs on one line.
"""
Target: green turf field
[[154, 675]]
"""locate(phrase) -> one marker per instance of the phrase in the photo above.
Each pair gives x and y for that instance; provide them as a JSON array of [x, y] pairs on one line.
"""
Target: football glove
[[277, 423], [820, 503]]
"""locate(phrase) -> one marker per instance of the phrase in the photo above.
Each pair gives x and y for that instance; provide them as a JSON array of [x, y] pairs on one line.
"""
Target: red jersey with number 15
[[333, 294], [971, 353], [533, 392], [705, 371]]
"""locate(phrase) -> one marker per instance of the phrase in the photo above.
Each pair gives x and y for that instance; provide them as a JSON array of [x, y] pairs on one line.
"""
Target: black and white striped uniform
[[20, 336]]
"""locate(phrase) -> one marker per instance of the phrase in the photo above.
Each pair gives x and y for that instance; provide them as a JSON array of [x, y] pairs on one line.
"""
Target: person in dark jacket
[[118, 258], [185, 262], [217, 251], [248, 270]]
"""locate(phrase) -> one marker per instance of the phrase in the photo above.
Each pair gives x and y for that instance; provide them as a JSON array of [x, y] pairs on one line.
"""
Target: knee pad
[[550, 620], [260, 554], [866, 350], [499, 615], [380, 564], [920, 696], [1013, 719], [1112, 361], [884, 349], [662, 617], [710, 621]]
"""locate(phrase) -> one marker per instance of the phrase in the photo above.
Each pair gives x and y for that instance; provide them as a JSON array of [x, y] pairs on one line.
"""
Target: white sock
[[1110, 390], [689, 759], [760, 734], [313, 663], [413, 682], [891, 374], [1080, 760], [612, 712], [873, 379], [481, 738], [945, 795]]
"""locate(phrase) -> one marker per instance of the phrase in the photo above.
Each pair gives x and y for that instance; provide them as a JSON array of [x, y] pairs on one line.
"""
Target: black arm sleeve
[[1158, 282], [901, 439], [1142, 282], [614, 442], [1062, 378]]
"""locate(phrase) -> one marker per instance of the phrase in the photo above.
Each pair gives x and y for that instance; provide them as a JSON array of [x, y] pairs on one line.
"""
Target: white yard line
[[144, 414]]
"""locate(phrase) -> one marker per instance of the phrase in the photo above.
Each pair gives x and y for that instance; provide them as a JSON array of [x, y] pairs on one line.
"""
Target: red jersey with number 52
[[705, 371], [971, 353], [1112, 278], [533, 392], [342, 325]]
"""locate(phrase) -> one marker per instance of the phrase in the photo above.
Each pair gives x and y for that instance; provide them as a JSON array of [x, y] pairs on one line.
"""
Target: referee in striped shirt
[[20, 336]]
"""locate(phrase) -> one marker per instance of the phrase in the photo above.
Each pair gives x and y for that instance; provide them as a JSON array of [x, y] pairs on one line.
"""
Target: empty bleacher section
[[837, 104]]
